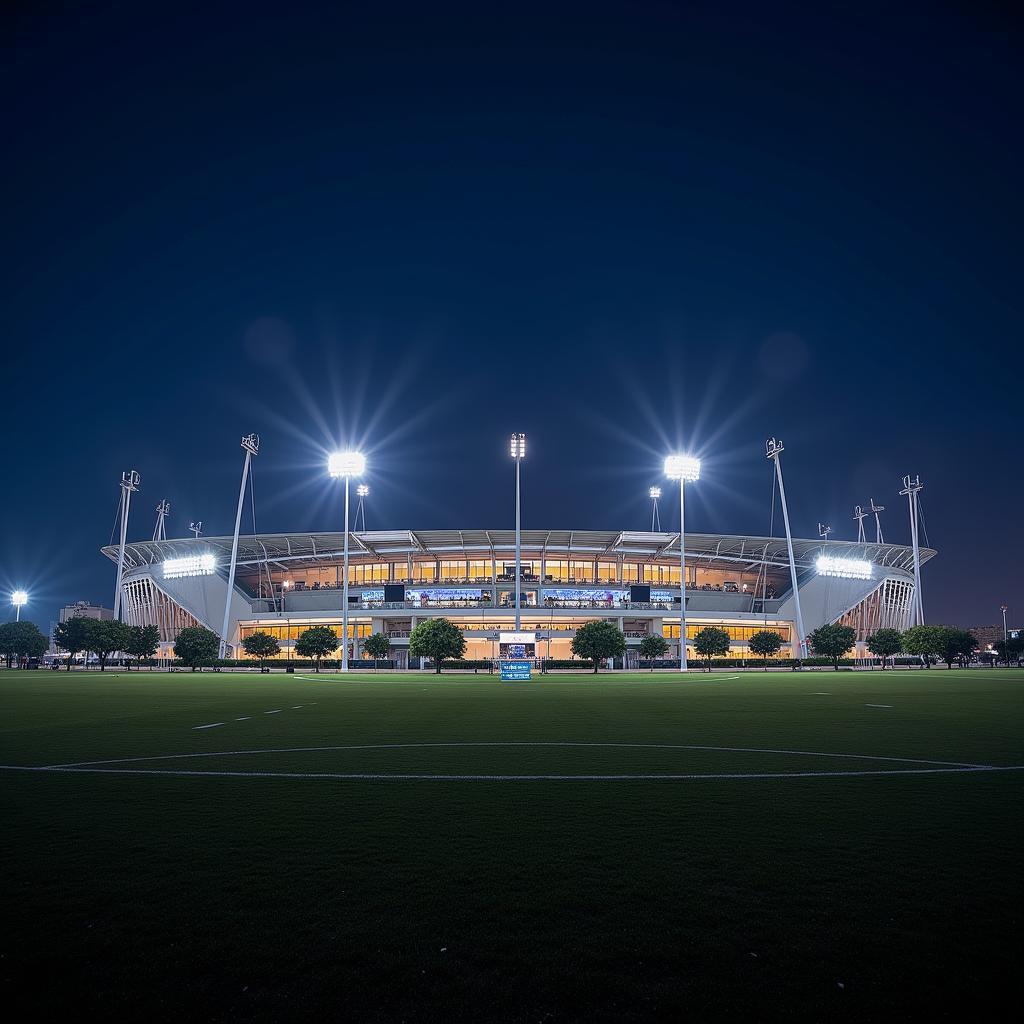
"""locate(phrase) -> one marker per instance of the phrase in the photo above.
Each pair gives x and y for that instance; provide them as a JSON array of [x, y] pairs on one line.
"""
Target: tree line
[[440, 640]]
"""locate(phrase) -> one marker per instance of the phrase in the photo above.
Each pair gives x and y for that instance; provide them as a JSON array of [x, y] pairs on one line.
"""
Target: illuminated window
[[424, 571], [606, 572]]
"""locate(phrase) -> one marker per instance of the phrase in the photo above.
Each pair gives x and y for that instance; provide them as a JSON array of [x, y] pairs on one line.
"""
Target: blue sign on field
[[516, 671]]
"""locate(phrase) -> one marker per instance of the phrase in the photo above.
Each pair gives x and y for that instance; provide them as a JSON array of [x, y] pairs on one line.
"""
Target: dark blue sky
[[619, 228]]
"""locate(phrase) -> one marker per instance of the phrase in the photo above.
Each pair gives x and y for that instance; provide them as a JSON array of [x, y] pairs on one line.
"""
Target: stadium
[[285, 583]]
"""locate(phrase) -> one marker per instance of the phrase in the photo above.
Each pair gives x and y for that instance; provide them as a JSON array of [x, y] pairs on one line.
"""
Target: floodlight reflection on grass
[[346, 464]]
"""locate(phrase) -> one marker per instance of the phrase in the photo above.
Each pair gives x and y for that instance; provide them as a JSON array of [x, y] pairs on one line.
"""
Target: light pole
[[251, 444], [517, 449], [361, 492], [1006, 644], [911, 487], [19, 598], [682, 468], [773, 449], [345, 465], [196, 528], [655, 493], [129, 485]]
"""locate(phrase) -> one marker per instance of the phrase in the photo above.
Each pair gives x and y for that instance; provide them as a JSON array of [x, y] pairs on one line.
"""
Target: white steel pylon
[[773, 449], [911, 487], [251, 445], [878, 522], [129, 485], [163, 510], [859, 514], [196, 527]]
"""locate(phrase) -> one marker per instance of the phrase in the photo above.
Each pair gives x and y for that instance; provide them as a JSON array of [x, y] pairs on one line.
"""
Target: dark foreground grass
[[235, 898]]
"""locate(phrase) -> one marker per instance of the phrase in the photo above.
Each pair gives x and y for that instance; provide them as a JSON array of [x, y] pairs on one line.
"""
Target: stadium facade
[[287, 582]]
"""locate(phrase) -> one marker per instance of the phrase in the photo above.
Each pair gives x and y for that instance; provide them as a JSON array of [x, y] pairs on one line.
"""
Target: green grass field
[[260, 881]]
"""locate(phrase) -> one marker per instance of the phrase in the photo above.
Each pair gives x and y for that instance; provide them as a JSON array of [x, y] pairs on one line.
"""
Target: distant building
[[78, 610], [84, 610], [987, 636]]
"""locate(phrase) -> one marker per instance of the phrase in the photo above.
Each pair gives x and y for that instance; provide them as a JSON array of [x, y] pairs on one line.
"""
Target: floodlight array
[[844, 568], [346, 464], [682, 467], [190, 565]]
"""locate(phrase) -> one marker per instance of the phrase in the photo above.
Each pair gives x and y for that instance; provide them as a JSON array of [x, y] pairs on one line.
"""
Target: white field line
[[520, 743], [878, 705], [409, 777], [212, 725], [244, 718], [539, 677], [277, 711]]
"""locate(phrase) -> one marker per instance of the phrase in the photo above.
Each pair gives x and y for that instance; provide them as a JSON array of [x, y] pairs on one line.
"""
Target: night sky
[[619, 228]]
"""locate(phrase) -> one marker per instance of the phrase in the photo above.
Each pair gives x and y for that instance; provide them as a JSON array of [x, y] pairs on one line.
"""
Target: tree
[[262, 646], [21, 640], [1012, 648], [767, 643], [436, 639], [196, 646], [7, 643], [316, 642], [377, 646], [143, 642], [955, 644], [923, 642], [597, 640], [711, 642], [832, 641], [104, 637], [72, 636], [885, 643], [654, 645]]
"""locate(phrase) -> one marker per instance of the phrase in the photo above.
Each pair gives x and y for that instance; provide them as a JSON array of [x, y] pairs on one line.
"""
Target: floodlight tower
[[655, 494], [251, 446], [129, 485], [517, 449], [878, 522], [682, 468], [197, 528], [859, 514], [163, 510], [361, 492], [19, 599], [1006, 644], [824, 531], [911, 487], [345, 465], [773, 449]]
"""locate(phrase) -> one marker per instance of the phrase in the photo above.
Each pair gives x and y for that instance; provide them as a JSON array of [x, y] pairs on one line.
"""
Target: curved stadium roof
[[291, 550]]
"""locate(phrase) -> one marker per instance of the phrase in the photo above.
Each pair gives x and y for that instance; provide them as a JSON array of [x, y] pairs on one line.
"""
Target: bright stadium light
[[685, 469], [346, 464], [517, 449], [19, 599], [654, 492], [682, 467], [190, 565], [844, 568], [362, 490]]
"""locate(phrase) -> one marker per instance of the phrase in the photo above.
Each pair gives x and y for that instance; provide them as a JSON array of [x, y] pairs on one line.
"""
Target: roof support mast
[[773, 449], [129, 484], [162, 512], [911, 486], [251, 444]]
